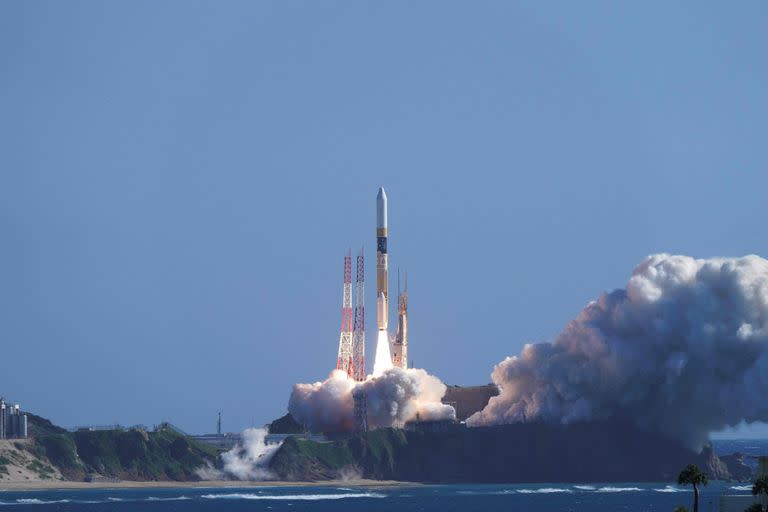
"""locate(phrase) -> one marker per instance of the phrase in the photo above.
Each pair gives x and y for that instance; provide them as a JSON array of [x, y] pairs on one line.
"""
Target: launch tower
[[361, 409], [344, 361], [358, 332], [358, 348]]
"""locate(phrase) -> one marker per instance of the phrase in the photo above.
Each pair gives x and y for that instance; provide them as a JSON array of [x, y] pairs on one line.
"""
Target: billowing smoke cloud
[[395, 397], [250, 458], [683, 351]]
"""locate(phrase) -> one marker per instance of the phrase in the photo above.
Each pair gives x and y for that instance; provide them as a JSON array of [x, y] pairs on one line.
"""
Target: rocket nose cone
[[381, 209]]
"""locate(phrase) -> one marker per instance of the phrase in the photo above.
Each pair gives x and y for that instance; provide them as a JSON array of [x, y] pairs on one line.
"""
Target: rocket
[[382, 277]]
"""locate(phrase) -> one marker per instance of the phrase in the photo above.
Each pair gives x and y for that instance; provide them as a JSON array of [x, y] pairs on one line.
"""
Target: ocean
[[612, 497], [544, 497]]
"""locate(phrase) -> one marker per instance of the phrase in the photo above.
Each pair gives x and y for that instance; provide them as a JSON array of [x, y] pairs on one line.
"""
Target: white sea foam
[[174, 498], [291, 497], [544, 490], [618, 489], [35, 501], [585, 487], [485, 493], [741, 487], [671, 488]]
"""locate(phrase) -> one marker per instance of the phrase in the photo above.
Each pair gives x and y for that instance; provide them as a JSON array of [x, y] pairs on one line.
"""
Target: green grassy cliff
[[123, 454]]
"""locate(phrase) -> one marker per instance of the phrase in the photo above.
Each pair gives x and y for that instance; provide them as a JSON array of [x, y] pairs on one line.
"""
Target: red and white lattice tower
[[358, 332], [344, 361]]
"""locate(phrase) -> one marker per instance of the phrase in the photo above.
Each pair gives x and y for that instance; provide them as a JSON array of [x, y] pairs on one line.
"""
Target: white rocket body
[[382, 270]]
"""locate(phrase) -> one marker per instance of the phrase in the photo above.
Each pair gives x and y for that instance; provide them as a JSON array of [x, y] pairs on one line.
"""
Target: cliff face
[[21, 462], [588, 452]]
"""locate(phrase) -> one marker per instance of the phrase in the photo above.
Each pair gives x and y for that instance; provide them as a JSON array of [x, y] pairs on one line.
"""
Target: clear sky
[[179, 182]]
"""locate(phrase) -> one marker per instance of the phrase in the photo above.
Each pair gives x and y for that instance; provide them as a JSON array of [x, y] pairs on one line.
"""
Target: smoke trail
[[683, 351], [395, 397], [250, 458], [383, 360]]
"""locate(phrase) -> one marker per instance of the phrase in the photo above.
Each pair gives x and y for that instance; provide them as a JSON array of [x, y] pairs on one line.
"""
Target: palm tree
[[692, 475], [761, 487]]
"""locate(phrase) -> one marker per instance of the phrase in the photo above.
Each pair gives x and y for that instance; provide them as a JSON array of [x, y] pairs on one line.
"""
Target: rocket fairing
[[382, 292]]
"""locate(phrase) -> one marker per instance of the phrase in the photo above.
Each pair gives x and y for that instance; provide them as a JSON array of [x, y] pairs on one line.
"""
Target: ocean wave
[[484, 493], [110, 498], [671, 488], [291, 497], [585, 487], [618, 489], [174, 498], [36, 501], [544, 490], [741, 487]]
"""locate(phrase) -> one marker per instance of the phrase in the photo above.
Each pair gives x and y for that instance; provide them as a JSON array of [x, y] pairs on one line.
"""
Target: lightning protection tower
[[358, 333], [400, 347], [344, 361]]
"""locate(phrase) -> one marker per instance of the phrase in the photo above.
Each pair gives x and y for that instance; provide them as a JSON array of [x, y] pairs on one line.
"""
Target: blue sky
[[179, 182]]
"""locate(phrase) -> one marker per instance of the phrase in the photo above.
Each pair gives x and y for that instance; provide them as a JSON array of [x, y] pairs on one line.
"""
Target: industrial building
[[221, 440], [13, 422], [467, 400]]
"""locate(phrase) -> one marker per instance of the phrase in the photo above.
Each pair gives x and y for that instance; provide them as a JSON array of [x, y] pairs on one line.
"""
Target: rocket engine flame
[[383, 360]]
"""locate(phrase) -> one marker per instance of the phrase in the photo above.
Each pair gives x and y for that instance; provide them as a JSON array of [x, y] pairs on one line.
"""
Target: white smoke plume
[[250, 458], [394, 397], [683, 351]]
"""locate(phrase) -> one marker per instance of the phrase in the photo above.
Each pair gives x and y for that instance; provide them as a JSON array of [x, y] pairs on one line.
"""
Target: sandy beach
[[53, 484]]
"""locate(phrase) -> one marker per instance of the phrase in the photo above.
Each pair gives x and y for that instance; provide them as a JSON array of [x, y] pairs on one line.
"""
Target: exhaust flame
[[383, 361]]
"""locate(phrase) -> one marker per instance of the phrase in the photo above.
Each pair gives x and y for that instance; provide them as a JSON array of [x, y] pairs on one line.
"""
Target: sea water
[[543, 497], [592, 497]]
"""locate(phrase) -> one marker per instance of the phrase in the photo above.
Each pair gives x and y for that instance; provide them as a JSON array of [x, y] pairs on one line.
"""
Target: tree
[[692, 475], [759, 488], [755, 507]]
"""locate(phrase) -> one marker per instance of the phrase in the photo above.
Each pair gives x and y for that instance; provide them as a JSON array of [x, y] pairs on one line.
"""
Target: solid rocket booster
[[382, 291]]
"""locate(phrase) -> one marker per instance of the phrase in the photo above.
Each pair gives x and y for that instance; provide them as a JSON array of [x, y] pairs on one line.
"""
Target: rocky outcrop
[[738, 467]]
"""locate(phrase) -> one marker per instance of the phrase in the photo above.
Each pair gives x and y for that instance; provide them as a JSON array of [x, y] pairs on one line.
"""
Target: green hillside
[[123, 454]]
